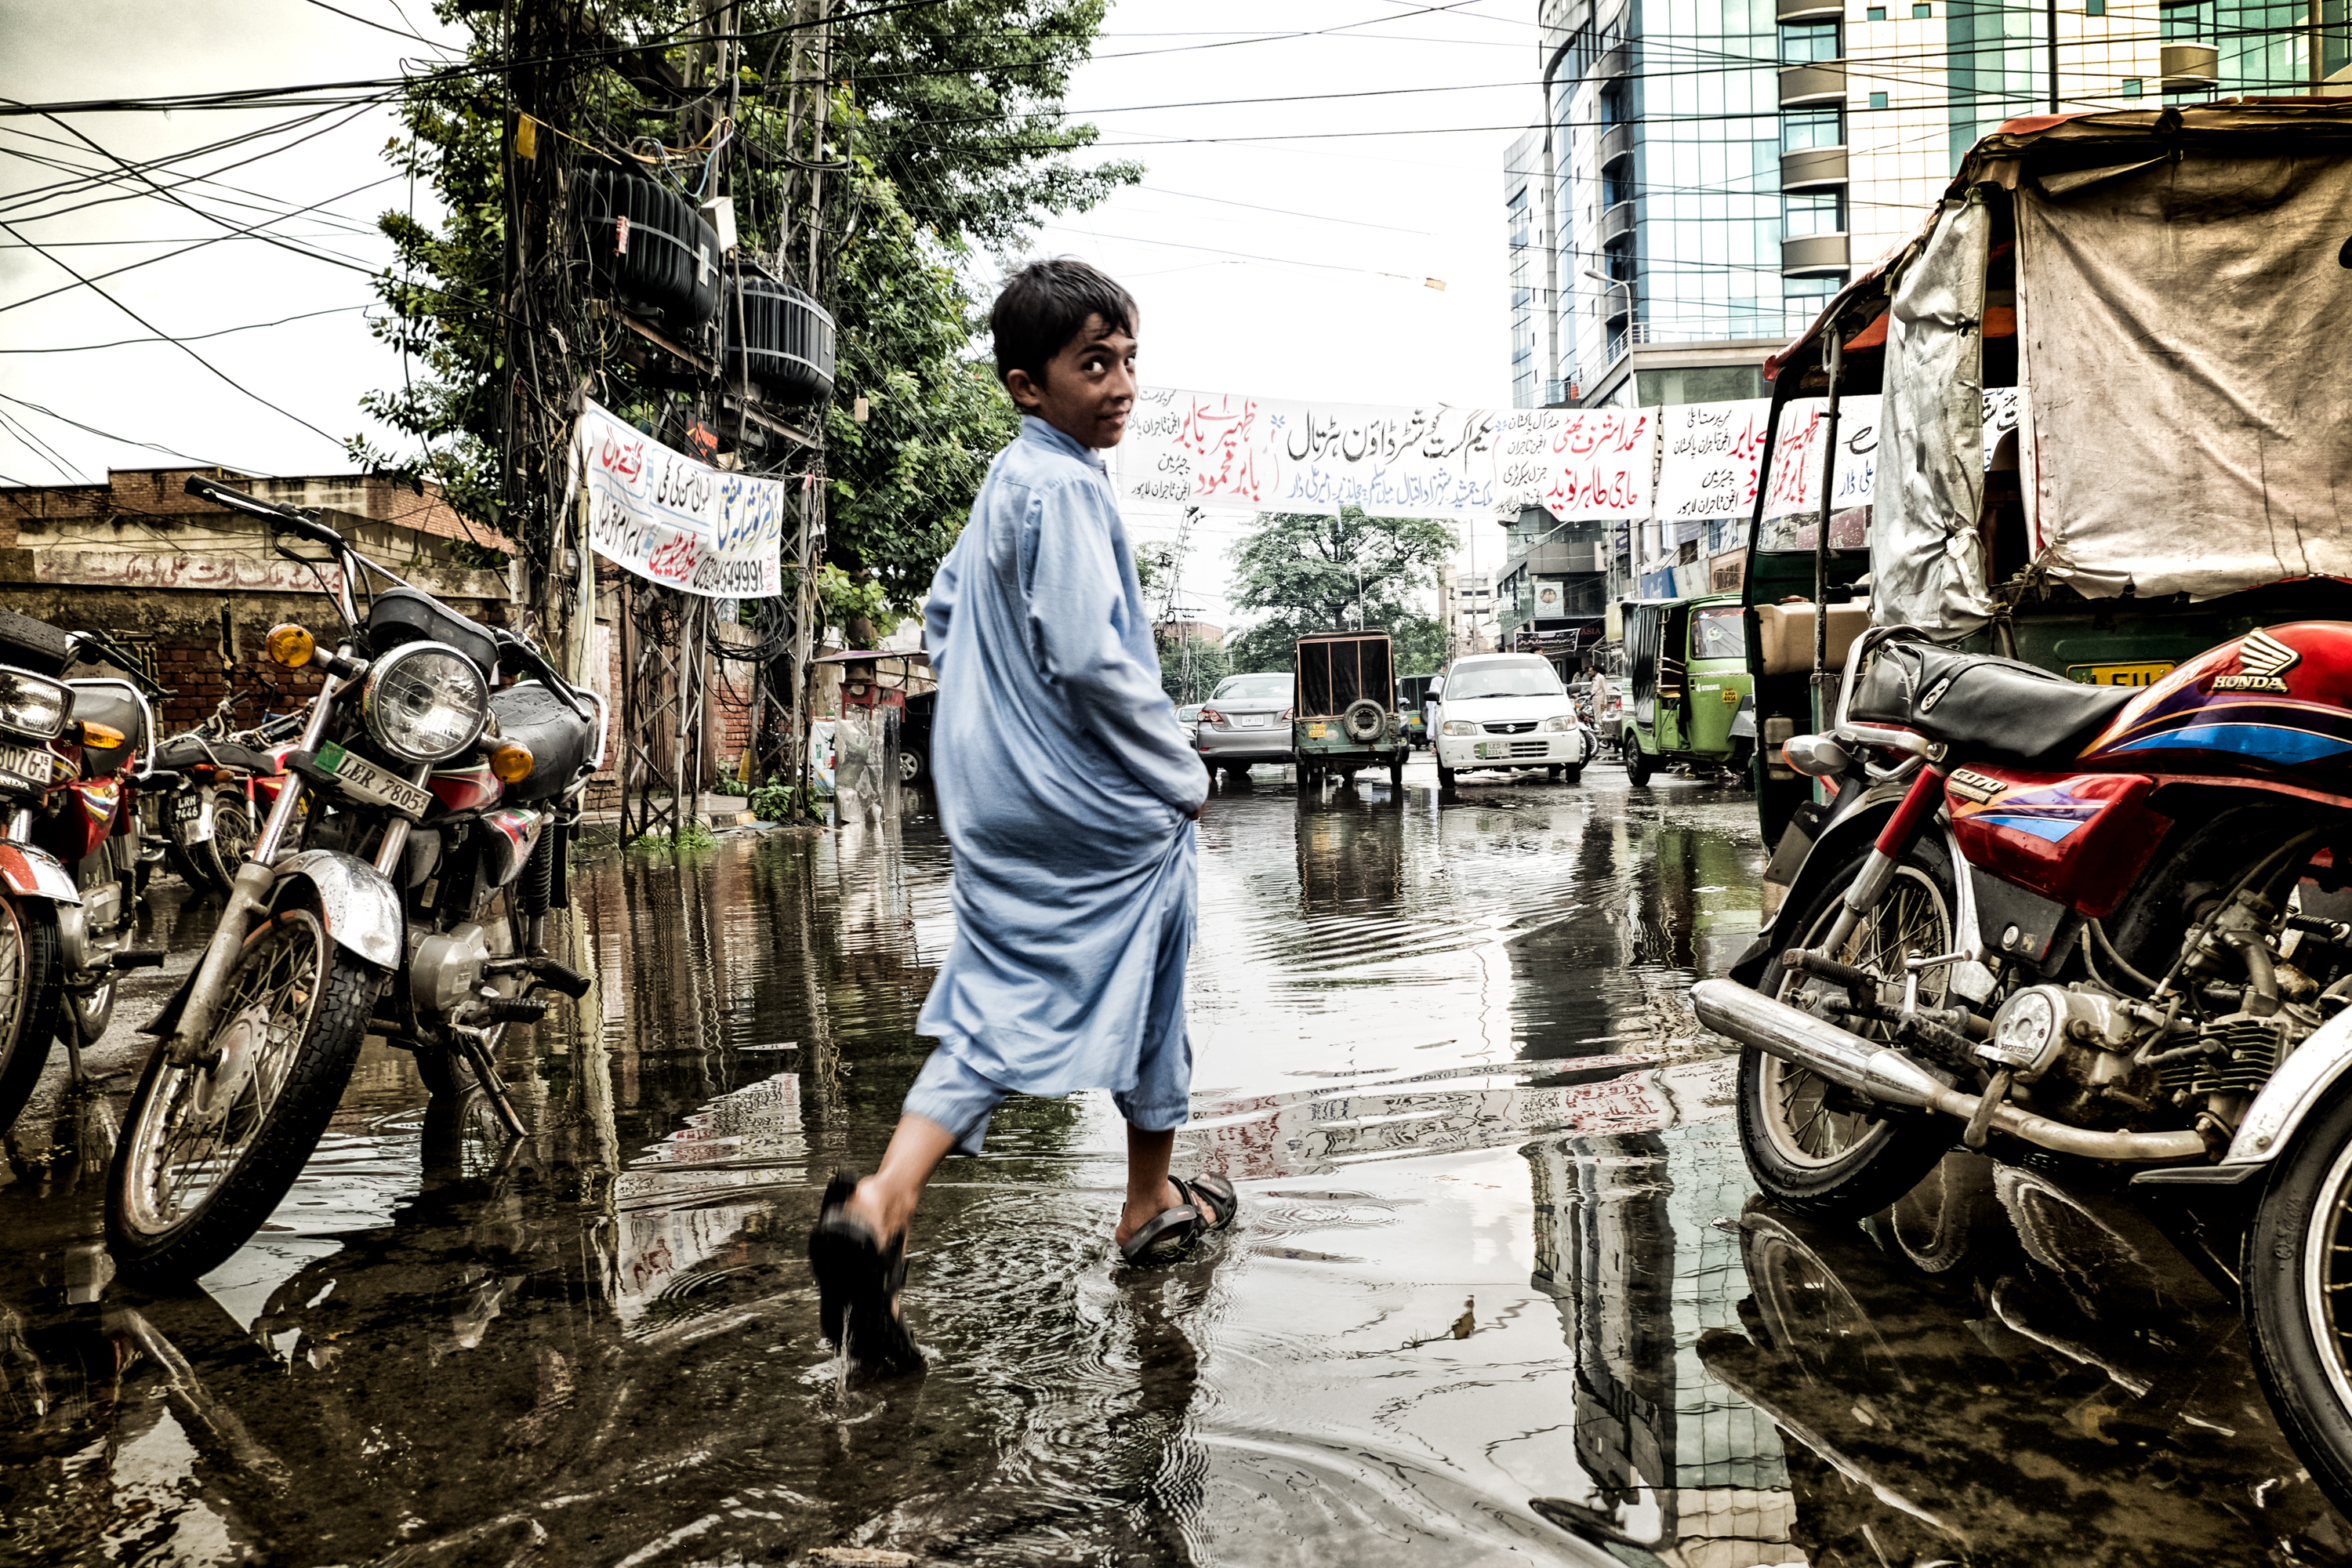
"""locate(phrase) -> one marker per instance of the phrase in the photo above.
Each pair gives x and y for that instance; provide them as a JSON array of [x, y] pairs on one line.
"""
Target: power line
[[185, 337]]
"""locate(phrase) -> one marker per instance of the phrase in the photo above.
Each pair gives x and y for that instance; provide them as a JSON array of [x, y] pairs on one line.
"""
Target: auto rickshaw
[[1686, 679], [1413, 694], [2105, 506], [1343, 715]]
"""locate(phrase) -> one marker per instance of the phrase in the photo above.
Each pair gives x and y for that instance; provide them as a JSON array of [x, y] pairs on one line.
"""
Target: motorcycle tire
[[2297, 1309], [1445, 777], [215, 860], [292, 1015], [446, 1072], [1807, 1155], [31, 1000]]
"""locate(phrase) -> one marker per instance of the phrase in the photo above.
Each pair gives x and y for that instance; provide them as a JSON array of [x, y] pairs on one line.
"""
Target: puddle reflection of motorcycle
[[2002, 1369]]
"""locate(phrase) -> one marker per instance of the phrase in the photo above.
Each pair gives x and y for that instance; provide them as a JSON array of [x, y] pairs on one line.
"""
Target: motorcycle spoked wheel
[[214, 860], [2297, 1271], [1805, 1152], [31, 999], [208, 1152]]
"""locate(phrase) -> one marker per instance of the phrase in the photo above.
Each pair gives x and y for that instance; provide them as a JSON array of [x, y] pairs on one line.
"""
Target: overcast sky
[[1277, 250]]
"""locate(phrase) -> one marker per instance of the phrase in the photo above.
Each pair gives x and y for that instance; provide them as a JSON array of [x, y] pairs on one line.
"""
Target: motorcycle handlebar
[[286, 518]]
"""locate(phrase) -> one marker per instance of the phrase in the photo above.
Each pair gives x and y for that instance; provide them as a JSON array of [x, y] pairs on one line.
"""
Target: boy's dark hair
[[1045, 305]]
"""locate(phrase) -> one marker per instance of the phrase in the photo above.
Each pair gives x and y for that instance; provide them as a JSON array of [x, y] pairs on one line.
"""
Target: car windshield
[[1250, 685], [1504, 677], [1715, 634]]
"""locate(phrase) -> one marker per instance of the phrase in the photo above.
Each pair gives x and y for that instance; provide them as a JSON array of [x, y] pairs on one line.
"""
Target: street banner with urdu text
[[1222, 452], [1578, 464], [1709, 453], [672, 520]]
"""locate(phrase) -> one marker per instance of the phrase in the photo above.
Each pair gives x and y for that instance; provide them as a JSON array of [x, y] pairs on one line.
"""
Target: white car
[[1505, 711]]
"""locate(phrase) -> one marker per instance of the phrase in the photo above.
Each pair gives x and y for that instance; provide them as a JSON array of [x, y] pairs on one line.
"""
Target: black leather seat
[[559, 739], [1983, 706], [183, 751]]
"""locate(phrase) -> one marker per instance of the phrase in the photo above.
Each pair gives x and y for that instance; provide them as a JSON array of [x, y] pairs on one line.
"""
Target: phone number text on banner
[[675, 522]]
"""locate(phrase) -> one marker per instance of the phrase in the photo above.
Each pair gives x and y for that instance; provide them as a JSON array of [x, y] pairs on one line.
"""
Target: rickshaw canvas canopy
[[2184, 354]]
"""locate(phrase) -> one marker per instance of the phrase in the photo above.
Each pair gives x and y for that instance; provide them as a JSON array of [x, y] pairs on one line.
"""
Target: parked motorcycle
[[70, 852], [227, 780], [436, 807], [2104, 921]]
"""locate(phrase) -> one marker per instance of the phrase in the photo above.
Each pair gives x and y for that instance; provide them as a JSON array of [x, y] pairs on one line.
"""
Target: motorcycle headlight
[[1559, 724], [1459, 727], [33, 705], [424, 701]]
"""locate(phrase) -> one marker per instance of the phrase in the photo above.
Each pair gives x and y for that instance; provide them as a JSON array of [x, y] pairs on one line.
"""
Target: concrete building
[[1553, 591], [1713, 175], [1466, 603]]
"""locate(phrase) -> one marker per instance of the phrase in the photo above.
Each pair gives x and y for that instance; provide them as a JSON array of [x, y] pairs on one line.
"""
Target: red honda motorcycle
[[2107, 923], [70, 751]]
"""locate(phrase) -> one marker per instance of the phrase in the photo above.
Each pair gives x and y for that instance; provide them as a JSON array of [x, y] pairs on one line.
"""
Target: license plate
[[186, 807], [2146, 674], [1253, 721], [1479, 749], [364, 779], [26, 764], [1314, 732]]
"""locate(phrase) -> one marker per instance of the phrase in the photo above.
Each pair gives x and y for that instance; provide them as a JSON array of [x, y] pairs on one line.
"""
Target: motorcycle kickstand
[[486, 1073]]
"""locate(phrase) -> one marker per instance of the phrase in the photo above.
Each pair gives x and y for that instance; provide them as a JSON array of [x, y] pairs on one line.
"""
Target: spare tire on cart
[[1365, 721]]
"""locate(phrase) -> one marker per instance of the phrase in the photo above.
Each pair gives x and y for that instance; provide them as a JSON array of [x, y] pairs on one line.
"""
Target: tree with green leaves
[[943, 127], [1318, 572]]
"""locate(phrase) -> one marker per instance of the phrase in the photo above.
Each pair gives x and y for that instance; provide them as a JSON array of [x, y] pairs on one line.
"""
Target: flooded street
[[1499, 1290]]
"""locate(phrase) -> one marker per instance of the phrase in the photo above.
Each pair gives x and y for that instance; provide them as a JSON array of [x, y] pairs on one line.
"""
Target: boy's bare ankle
[[880, 1210]]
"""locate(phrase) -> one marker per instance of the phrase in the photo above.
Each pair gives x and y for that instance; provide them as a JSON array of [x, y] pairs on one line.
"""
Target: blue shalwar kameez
[[1065, 788]]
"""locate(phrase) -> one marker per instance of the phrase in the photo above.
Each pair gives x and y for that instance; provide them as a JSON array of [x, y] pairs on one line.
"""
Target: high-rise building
[[1716, 169]]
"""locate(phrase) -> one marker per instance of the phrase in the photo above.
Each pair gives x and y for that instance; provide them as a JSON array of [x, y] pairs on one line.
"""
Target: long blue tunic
[[1064, 787]]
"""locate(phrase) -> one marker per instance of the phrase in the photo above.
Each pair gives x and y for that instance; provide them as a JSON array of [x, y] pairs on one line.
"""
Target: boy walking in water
[[1068, 797]]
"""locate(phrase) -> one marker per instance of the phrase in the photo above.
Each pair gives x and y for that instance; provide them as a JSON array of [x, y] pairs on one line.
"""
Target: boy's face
[[1090, 386]]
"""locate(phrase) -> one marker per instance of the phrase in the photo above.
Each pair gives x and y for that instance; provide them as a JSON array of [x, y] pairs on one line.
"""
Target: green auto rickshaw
[[1687, 686], [1343, 708]]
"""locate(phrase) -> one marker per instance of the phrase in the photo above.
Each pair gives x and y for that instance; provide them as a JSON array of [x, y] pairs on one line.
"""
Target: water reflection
[[2011, 1371], [1493, 1293]]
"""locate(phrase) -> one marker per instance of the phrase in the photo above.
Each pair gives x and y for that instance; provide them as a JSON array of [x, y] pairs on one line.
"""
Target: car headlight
[[424, 701], [1458, 727], [33, 705], [1559, 724]]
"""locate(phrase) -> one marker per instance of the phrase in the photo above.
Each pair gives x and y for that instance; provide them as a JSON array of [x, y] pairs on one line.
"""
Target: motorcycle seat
[[183, 751], [1984, 706], [559, 739]]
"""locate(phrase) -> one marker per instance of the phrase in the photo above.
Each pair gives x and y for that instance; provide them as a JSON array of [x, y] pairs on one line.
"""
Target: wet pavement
[[1500, 1290]]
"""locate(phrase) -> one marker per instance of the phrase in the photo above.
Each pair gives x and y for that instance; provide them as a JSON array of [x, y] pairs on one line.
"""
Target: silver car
[[1245, 722]]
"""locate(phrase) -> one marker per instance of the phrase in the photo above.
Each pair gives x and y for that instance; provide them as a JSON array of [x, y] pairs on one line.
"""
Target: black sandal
[[1164, 1237], [1220, 1192], [857, 1279]]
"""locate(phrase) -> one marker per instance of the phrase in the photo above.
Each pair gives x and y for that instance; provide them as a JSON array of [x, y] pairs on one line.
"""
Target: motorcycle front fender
[[360, 908], [31, 873]]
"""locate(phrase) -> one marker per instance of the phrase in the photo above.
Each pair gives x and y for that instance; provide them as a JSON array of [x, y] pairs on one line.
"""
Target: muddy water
[[1500, 1290]]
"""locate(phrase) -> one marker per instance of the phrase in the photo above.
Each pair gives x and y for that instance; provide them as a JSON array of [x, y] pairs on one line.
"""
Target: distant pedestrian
[[1068, 797]]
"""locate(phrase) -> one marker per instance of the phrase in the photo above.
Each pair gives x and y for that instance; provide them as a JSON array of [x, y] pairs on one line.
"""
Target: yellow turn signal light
[[511, 761], [290, 646], [97, 734]]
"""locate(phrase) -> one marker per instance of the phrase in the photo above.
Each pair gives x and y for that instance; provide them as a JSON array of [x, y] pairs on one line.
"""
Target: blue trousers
[[951, 1095]]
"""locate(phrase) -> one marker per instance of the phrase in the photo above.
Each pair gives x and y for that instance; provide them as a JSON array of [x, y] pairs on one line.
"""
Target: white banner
[[1434, 461], [675, 522], [1796, 486], [1221, 452], [1709, 455], [1578, 464], [1191, 448]]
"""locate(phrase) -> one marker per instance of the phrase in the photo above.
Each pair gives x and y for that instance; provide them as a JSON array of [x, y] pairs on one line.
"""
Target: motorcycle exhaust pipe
[[1891, 1077]]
